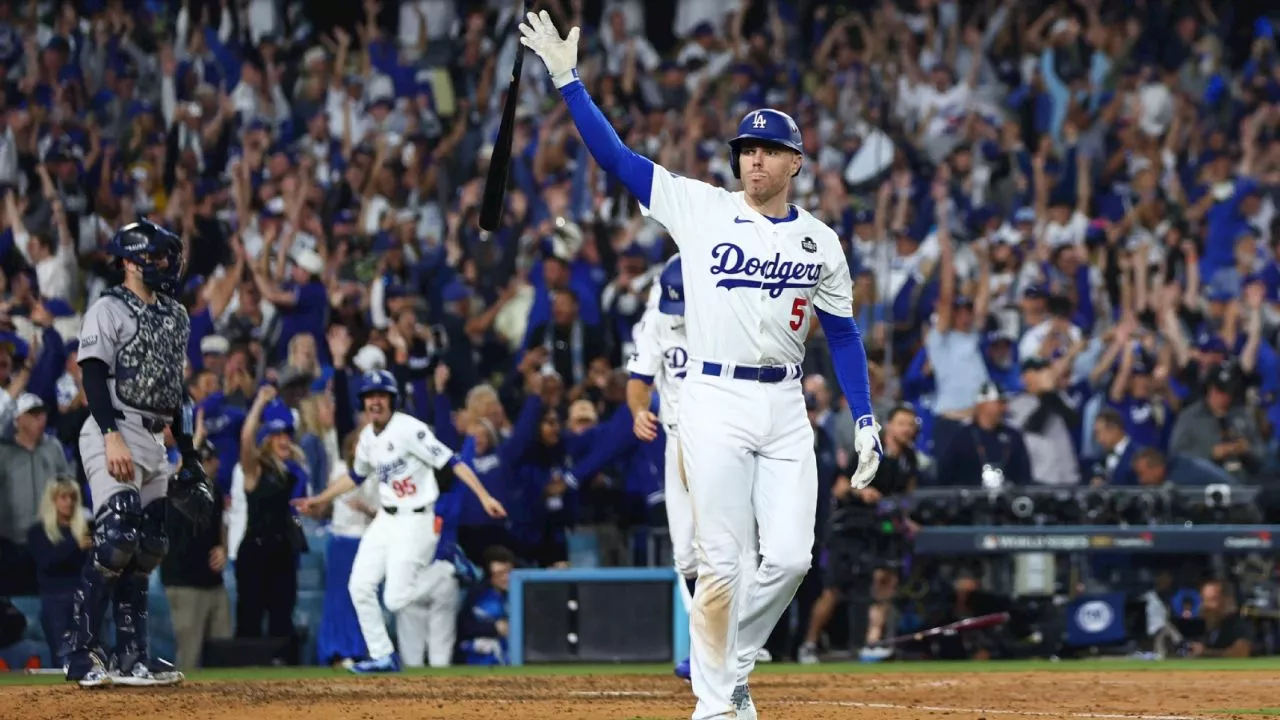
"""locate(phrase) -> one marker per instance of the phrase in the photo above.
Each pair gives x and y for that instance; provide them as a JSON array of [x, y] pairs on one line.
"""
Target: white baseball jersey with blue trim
[[750, 283], [661, 353], [402, 459]]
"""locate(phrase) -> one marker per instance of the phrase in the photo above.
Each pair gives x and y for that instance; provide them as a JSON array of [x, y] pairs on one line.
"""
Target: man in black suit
[[1115, 467]]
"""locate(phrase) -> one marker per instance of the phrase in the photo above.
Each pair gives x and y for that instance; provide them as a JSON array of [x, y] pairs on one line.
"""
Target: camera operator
[[867, 536]]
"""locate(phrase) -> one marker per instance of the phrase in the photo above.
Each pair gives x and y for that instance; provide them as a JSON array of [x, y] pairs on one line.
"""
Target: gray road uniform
[[145, 347], [133, 352]]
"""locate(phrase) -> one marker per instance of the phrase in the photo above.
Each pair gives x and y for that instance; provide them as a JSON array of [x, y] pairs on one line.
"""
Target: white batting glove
[[866, 441], [560, 55]]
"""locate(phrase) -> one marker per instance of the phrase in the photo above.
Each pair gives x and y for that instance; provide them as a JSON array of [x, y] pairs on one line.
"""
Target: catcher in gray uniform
[[132, 352]]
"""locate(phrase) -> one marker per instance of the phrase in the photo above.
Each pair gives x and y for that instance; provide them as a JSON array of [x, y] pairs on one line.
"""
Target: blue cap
[[1024, 215], [276, 418], [59, 308], [455, 291], [1210, 343]]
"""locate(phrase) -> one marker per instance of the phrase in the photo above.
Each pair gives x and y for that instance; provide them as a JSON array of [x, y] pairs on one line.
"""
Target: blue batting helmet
[[671, 296], [379, 381], [154, 249], [766, 125]]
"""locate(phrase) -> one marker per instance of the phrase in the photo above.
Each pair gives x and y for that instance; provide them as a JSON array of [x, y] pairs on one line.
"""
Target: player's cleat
[[741, 699], [148, 673], [875, 654], [682, 670], [87, 669], [386, 664], [95, 678], [807, 654]]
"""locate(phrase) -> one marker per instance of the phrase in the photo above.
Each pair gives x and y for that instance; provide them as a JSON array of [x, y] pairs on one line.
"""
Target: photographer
[[988, 452], [868, 536]]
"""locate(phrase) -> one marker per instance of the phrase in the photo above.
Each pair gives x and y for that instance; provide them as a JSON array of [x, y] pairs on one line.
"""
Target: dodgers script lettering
[[774, 275]]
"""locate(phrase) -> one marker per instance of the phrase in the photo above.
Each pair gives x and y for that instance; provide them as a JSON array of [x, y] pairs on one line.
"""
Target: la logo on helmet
[[760, 121]]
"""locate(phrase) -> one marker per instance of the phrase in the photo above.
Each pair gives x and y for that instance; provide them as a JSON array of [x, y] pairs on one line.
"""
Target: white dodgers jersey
[[750, 284], [662, 354], [402, 459]]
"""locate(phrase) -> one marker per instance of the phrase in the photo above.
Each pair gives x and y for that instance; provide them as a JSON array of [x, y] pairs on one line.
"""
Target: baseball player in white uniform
[[756, 270], [660, 361], [399, 547]]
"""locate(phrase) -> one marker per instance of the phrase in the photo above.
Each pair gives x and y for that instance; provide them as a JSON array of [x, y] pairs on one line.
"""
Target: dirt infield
[[1118, 695]]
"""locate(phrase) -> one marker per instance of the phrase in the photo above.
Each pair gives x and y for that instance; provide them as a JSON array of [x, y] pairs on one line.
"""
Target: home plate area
[[1157, 694]]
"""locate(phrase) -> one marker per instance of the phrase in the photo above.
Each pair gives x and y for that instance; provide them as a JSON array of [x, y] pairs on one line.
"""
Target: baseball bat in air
[[495, 182], [980, 622]]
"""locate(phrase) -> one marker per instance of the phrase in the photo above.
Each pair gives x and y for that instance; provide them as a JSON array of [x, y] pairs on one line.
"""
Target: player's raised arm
[[834, 306], [431, 451], [668, 198], [560, 55]]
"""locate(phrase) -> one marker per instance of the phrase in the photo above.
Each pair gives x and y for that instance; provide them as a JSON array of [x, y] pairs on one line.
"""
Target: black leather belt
[[154, 425], [390, 510]]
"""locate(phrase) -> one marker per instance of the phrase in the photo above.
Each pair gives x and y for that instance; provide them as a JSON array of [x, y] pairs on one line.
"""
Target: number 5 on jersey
[[799, 309]]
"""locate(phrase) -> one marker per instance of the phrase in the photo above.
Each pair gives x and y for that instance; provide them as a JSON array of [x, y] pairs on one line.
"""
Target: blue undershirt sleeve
[[850, 356], [633, 169]]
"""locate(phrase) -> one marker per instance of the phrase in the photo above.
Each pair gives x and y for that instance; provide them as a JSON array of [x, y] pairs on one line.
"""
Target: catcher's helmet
[[671, 294], [379, 381], [766, 125], [156, 250]]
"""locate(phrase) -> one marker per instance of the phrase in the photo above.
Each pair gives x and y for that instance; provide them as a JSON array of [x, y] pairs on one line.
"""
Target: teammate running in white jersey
[[756, 269], [403, 455]]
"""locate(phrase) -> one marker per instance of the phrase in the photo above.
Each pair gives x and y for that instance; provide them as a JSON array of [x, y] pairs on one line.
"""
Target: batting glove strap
[[565, 78]]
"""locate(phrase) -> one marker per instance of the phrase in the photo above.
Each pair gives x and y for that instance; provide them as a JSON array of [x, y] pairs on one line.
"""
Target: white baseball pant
[[399, 549], [750, 466], [428, 628]]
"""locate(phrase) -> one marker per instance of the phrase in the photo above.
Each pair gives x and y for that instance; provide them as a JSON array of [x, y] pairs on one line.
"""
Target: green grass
[[1255, 711], [319, 673]]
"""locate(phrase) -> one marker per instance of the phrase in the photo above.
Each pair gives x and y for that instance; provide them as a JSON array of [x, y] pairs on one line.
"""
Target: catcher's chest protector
[[148, 370]]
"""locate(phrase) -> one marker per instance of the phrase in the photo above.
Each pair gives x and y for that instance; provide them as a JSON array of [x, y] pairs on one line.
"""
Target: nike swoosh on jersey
[[739, 221]]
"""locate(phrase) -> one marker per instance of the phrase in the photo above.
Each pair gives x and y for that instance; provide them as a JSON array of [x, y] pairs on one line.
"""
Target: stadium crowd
[[1060, 217]]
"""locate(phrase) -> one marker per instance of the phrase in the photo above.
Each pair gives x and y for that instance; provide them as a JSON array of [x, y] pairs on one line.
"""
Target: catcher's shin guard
[[132, 589], [115, 541]]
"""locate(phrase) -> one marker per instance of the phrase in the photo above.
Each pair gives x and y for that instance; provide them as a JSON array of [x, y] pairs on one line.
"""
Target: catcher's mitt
[[189, 491]]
